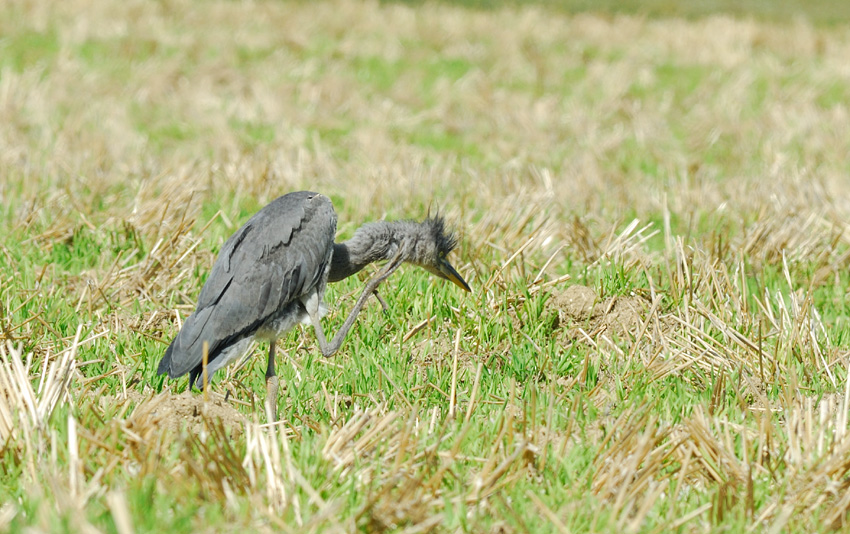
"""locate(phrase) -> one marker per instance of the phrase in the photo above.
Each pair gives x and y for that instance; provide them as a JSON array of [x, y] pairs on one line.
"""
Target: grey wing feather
[[279, 255]]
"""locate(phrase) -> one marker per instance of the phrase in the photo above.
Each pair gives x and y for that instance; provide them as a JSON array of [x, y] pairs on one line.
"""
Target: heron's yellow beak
[[449, 273]]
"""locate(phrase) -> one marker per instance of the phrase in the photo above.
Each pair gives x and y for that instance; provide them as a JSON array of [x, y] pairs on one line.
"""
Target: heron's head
[[440, 243]]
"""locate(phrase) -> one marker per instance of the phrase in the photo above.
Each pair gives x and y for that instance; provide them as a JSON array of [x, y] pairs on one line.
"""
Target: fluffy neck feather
[[378, 241]]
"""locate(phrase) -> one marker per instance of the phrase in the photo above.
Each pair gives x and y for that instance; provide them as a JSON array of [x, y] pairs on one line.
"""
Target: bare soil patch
[[173, 412], [580, 308]]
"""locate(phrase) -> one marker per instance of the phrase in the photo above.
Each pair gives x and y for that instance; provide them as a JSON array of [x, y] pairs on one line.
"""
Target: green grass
[[825, 12], [688, 174], [29, 49]]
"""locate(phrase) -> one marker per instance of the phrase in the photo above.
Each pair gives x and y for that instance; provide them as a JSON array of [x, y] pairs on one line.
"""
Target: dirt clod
[[581, 307], [170, 412], [576, 302]]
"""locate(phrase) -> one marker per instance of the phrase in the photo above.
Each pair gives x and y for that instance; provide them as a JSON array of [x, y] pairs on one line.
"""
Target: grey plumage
[[259, 276], [273, 271], [425, 244]]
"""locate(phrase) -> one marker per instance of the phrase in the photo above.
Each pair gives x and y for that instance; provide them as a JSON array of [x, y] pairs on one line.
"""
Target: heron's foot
[[272, 386], [384, 307]]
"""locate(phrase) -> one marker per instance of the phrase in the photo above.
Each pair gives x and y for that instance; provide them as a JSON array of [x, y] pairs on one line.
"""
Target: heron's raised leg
[[328, 349], [272, 384]]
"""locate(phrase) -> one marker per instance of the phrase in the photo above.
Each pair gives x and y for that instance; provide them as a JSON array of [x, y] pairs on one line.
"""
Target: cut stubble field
[[653, 216]]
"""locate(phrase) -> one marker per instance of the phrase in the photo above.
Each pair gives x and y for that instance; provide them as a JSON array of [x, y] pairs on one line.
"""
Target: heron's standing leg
[[272, 384]]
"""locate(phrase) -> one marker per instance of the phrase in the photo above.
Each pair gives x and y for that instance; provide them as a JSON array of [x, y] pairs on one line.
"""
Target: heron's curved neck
[[371, 242]]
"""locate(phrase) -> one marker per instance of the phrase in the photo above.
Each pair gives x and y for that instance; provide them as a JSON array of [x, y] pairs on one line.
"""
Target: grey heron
[[272, 273]]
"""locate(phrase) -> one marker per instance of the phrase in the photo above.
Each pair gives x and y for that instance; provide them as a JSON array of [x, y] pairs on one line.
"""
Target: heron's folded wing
[[278, 256]]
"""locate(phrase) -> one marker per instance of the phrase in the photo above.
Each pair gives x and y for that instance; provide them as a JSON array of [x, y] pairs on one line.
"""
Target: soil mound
[[173, 412], [580, 307]]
